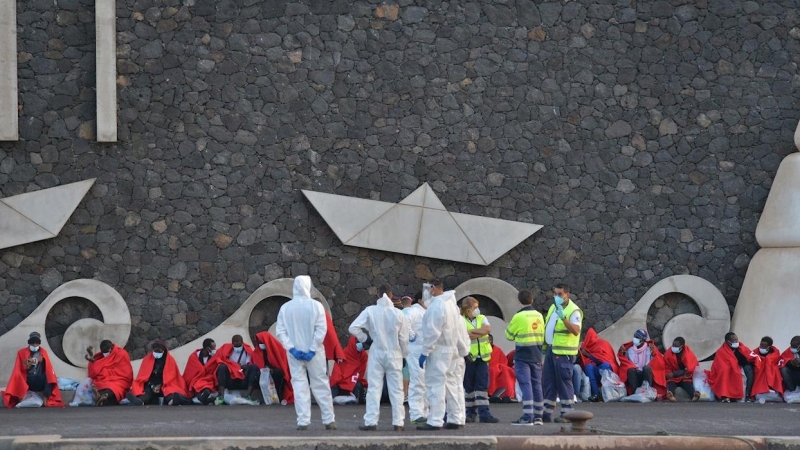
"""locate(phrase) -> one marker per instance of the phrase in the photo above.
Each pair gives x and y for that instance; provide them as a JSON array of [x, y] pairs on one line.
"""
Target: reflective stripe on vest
[[479, 348], [526, 328], [564, 342]]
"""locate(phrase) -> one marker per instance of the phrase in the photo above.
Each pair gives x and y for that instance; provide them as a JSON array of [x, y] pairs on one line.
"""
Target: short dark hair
[[729, 335], [106, 344], [417, 297], [680, 340], [384, 289], [563, 286], [525, 297], [436, 282], [768, 340], [237, 337], [207, 342], [795, 341]]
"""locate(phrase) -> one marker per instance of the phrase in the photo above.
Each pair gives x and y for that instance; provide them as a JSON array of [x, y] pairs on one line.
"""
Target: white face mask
[[105, 354], [34, 348], [212, 352], [158, 355], [763, 351], [637, 341], [676, 349], [237, 349], [476, 313], [796, 350], [734, 344], [262, 346]]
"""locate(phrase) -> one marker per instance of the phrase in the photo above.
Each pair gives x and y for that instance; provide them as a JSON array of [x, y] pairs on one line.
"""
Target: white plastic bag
[[31, 400], [792, 396], [613, 388], [700, 382], [235, 398], [345, 400], [769, 397], [644, 394], [586, 388], [67, 384], [268, 390], [84, 394]]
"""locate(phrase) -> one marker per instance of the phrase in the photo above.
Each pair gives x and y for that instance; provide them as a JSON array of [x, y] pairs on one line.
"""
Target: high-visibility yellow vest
[[564, 342], [479, 348], [526, 328]]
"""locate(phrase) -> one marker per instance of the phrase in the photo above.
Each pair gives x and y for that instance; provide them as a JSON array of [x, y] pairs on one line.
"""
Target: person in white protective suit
[[383, 329], [417, 403], [444, 346], [301, 329]]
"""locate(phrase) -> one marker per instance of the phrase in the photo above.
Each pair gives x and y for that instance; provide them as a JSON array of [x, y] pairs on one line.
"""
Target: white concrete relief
[[419, 225], [39, 215], [9, 115], [106, 69]]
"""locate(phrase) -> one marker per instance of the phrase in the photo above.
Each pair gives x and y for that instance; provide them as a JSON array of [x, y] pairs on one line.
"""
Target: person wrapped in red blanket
[[790, 365], [766, 369], [111, 373], [680, 364], [502, 381], [195, 366], [231, 368], [270, 354], [725, 377], [33, 372], [351, 372], [158, 377], [640, 361], [596, 354]]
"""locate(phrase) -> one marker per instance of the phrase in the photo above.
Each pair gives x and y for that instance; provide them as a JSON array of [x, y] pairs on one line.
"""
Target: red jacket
[[767, 372], [172, 381], [18, 383], [725, 376], [347, 373], [276, 359], [112, 372], [656, 364], [689, 362]]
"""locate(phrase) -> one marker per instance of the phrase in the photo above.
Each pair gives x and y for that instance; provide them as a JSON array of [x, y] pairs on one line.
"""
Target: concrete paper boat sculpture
[[419, 225]]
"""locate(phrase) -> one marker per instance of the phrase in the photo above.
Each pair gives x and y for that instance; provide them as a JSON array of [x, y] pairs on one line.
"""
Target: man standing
[[111, 373], [417, 403], [562, 335], [301, 328], [386, 329], [445, 344], [527, 331]]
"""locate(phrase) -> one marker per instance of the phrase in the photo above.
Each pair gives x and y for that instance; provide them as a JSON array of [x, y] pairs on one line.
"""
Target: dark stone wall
[[643, 135]]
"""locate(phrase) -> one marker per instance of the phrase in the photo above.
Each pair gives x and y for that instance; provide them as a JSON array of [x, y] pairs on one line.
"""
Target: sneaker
[[453, 426], [523, 421], [595, 399], [671, 397], [696, 397], [471, 419], [219, 401], [331, 426], [368, 427], [726, 400], [428, 427], [538, 422], [560, 420], [490, 419], [546, 419], [135, 401], [302, 427], [420, 420]]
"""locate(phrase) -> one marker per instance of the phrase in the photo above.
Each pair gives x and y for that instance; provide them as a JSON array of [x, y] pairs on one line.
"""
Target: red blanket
[[510, 357], [208, 379], [767, 372], [786, 357], [112, 372], [725, 377], [500, 375], [333, 348], [689, 361], [599, 348], [172, 381], [352, 370], [194, 368], [656, 364], [276, 359], [17, 385]]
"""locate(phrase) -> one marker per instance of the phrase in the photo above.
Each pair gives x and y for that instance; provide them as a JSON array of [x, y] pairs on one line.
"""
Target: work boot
[[671, 397], [560, 420], [428, 427], [302, 427], [331, 426], [399, 428], [595, 399], [419, 420], [453, 426], [490, 419], [135, 401], [471, 419], [367, 427]]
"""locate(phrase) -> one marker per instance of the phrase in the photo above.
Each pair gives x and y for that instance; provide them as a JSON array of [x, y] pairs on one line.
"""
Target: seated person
[[725, 377], [158, 378], [766, 372], [348, 376], [502, 380], [33, 372], [269, 353], [231, 368], [640, 361], [596, 354], [194, 368], [680, 364], [111, 373], [790, 365]]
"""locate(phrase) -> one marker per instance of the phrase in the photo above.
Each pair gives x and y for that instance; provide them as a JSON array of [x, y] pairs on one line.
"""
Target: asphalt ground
[[701, 419]]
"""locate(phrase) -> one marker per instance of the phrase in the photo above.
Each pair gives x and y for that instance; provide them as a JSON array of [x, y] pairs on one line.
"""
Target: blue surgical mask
[[734, 344], [637, 341], [158, 355], [796, 350], [262, 346], [676, 349], [558, 300], [34, 348], [359, 346], [763, 351]]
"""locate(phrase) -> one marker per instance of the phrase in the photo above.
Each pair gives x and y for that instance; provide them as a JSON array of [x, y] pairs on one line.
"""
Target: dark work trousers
[[637, 378], [557, 382], [251, 377], [685, 385], [529, 376], [476, 387], [791, 377]]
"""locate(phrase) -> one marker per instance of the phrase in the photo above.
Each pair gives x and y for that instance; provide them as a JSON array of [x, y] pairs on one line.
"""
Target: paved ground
[[196, 421]]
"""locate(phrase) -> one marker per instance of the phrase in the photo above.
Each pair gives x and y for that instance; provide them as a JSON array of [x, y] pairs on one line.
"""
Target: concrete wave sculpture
[[419, 225]]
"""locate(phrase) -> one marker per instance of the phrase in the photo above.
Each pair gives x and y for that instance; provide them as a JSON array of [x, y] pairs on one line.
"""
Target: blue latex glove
[[309, 355], [413, 339], [422, 359], [560, 312], [359, 346], [298, 355]]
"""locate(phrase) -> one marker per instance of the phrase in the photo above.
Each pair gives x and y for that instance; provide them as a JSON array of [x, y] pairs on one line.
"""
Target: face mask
[[237, 349], [558, 300], [637, 341], [158, 355], [733, 344], [426, 292], [105, 354], [359, 346], [262, 346], [34, 348], [477, 312], [211, 352], [763, 351], [796, 350], [676, 349]]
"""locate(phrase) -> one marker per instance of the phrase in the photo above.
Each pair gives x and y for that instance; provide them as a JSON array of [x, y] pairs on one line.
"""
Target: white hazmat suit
[[388, 328], [302, 325], [446, 343], [417, 403]]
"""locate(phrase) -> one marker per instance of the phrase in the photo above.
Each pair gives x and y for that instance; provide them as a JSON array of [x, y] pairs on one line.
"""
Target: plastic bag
[[644, 394], [67, 384], [586, 388], [612, 387], [268, 390], [700, 382], [518, 391], [345, 400], [84, 394], [235, 398], [769, 397], [792, 396], [31, 400]]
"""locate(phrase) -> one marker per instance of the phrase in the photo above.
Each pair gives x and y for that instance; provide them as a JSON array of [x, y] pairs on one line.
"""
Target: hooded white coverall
[[446, 342], [302, 325], [388, 328], [417, 403]]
